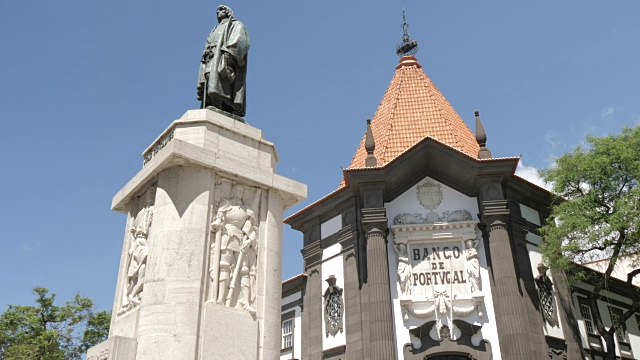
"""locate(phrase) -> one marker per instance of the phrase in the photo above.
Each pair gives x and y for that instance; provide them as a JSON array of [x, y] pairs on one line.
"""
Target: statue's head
[[223, 12]]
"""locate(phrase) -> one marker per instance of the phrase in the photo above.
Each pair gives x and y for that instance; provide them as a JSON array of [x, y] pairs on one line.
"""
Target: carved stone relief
[[473, 265], [429, 195], [404, 269], [432, 217], [136, 264], [458, 338], [234, 249], [438, 266], [333, 308], [103, 355], [547, 296]]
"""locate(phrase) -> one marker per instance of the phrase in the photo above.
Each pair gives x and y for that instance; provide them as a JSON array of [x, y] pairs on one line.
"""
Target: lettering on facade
[[437, 265]]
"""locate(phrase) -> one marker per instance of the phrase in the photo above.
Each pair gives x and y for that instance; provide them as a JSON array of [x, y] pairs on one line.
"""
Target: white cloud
[[29, 246], [607, 112], [530, 173]]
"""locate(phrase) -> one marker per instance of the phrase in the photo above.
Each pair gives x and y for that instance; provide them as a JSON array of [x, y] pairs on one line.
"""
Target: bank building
[[429, 249]]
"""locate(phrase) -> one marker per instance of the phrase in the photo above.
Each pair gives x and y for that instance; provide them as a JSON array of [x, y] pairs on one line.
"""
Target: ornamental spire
[[370, 146], [406, 46], [481, 138]]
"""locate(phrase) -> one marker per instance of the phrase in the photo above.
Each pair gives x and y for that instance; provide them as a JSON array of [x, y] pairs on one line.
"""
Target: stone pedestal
[[224, 326], [182, 243]]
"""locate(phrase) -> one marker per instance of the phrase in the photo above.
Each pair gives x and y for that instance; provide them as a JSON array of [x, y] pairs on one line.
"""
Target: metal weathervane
[[406, 46]]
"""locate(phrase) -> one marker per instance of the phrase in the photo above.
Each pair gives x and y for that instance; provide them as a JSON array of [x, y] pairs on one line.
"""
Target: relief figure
[[473, 265], [138, 251], [404, 269], [234, 252]]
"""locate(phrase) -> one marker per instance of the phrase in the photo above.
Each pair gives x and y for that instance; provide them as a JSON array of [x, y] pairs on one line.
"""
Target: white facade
[[452, 200]]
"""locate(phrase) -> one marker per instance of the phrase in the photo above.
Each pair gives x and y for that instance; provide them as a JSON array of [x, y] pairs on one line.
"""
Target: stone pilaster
[[530, 301], [352, 301], [312, 312], [381, 334], [510, 315], [312, 316]]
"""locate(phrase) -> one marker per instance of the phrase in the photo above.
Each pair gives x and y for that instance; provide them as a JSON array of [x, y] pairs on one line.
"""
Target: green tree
[[596, 216], [50, 332]]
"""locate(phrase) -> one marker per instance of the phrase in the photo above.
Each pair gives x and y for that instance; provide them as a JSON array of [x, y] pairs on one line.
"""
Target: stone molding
[[211, 140]]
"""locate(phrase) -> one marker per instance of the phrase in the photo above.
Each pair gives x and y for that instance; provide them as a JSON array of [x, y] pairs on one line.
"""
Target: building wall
[[535, 257], [610, 299]]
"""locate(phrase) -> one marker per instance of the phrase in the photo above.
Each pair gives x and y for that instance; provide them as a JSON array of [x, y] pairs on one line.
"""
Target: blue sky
[[86, 86]]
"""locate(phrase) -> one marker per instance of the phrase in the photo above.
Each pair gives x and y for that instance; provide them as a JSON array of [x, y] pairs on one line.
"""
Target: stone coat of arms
[[429, 195]]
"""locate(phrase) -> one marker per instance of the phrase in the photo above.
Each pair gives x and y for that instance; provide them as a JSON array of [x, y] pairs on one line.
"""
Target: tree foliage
[[46, 331], [597, 215]]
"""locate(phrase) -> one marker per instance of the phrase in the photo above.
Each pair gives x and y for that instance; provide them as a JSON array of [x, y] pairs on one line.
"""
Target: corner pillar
[[374, 221], [511, 321]]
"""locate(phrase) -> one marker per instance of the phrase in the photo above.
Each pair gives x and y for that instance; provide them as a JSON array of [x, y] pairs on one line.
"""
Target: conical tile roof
[[411, 110]]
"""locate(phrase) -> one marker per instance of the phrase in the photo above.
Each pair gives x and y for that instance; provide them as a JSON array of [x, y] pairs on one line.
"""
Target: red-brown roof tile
[[411, 109]]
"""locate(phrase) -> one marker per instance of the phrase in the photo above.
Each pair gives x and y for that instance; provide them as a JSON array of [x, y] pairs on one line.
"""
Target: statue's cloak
[[233, 39]]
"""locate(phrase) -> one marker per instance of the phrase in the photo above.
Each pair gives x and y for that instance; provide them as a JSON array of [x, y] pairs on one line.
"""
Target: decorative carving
[[373, 199], [445, 332], [429, 195], [557, 354], [443, 266], [547, 296], [333, 308], [557, 348], [441, 302], [233, 256], [432, 217], [159, 145], [138, 251], [473, 265], [102, 355], [460, 341], [404, 269]]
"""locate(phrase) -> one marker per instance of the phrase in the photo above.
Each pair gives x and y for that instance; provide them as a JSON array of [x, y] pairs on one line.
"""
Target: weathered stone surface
[[229, 334], [115, 347]]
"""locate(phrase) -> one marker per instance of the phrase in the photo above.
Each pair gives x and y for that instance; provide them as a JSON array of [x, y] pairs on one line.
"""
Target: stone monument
[[201, 264]]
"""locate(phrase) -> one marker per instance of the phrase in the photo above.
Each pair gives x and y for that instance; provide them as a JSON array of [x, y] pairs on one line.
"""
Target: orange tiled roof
[[412, 109]]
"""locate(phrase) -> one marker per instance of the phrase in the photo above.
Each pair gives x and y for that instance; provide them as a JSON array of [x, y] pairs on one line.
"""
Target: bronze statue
[[223, 68]]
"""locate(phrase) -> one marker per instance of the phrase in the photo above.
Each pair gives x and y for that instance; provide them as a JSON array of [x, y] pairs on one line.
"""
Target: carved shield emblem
[[429, 195]]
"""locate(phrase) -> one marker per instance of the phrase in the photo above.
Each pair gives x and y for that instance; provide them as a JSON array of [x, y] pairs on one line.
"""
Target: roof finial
[[370, 146], [406, 46], [481, 138]]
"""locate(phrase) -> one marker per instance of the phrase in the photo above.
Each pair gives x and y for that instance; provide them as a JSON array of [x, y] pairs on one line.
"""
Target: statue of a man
[[237, 226], [223, 68]]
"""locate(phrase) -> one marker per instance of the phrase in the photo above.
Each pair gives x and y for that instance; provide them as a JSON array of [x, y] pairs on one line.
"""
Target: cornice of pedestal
[[213, 141]]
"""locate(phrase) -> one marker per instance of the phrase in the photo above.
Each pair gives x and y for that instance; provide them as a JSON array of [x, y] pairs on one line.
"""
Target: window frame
[[288, 336]]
